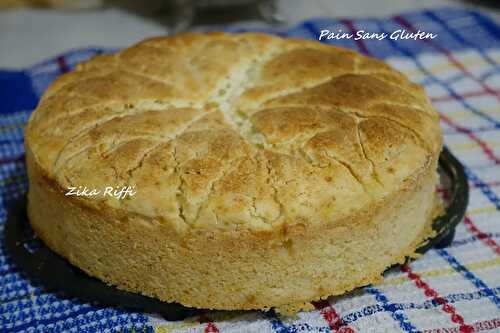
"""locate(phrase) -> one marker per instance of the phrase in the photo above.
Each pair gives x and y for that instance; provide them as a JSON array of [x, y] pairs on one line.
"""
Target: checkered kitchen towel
[[456, 289]]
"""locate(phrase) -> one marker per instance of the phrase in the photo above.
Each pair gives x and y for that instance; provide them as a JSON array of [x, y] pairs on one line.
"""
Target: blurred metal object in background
[[175, 15], [182, 14]]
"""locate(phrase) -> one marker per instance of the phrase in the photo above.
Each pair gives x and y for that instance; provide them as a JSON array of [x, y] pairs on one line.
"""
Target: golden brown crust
[[233, 136], [235, 129]]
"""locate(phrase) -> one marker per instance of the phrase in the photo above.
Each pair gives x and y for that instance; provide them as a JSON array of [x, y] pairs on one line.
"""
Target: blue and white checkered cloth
[[456, 289]]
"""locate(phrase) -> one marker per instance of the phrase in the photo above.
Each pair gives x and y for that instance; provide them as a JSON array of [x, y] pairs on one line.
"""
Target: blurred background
[[32, 30]]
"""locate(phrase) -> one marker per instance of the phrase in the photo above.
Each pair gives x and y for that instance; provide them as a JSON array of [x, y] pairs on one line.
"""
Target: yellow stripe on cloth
[[472, 145], [442, 272], [483, 210], [443, 67], [175, 326], [455, 115]]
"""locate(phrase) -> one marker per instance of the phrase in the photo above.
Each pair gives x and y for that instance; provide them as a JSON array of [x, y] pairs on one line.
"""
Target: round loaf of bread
[[268, 172]]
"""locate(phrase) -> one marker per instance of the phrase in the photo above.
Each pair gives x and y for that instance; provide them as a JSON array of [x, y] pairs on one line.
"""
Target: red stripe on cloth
[[479, 326], [331, 317], [487, 150], [359, 42], [403, 22], [431, 293], [474, 230], [61, 62], [210, 326]]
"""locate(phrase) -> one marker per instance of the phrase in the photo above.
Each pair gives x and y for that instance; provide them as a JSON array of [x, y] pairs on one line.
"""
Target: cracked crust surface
[[243, 133], [215, 130]]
